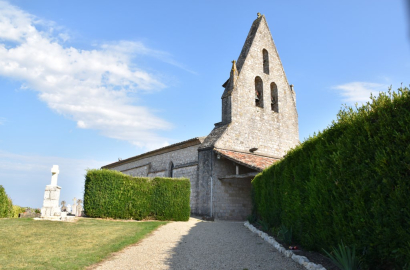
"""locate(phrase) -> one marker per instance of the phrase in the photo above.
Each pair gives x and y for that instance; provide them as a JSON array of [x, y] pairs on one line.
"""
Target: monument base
[[51, 202], [66, 219]]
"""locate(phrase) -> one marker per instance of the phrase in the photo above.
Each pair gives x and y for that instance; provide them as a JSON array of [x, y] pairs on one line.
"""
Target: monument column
[[52, 196], [74, 207]]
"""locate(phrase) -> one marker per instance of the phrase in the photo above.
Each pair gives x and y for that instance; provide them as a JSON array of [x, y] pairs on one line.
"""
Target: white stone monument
[[79, 208], [68, 208], [52, 196], [74, 207]]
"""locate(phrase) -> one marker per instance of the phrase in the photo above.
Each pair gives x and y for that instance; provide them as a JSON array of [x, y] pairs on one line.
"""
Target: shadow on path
[[225, 245]]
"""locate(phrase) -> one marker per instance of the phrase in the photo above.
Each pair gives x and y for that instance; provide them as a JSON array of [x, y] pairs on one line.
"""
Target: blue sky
[[84, 83]]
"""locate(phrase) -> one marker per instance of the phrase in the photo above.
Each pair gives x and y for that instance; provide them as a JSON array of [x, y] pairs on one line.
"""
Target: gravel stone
[[198, 244]]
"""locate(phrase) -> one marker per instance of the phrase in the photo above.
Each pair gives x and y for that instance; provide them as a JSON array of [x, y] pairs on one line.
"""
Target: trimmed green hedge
[[350, 182], [112, 194], [6, 206]]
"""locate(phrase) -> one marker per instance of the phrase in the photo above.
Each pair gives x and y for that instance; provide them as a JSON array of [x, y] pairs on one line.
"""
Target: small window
[[274, 97], [171, 169], [258, 92], [265, 55]]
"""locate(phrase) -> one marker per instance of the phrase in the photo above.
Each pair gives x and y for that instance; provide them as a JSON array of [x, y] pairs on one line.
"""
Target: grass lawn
[[35, 244]]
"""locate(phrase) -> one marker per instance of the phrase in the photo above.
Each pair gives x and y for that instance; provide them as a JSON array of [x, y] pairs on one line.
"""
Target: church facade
[[259, 125]]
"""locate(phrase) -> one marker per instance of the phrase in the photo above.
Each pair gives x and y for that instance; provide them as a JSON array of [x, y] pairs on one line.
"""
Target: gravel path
[[198, 244]]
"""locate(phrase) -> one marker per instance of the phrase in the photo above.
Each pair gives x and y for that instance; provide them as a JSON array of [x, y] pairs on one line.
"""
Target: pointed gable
[[248, 42], [259, 104], [250, 39]]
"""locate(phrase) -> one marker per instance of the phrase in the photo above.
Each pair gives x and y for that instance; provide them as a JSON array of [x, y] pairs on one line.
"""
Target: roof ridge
[[156, 151], [258, 163], [243, 152]]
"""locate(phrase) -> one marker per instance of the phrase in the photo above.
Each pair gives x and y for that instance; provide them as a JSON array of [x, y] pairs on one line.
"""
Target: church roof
[[169, 148], [252, 161], [213, 137]]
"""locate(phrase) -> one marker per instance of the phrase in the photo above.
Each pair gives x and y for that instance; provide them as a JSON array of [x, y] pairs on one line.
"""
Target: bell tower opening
[[274, 97], [258, 92], [265, 56]]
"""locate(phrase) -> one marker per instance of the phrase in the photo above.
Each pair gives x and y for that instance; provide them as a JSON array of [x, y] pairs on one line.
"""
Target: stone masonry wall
[[185, 165], [139, 171], [204, 182], [163, 173], [190, 172], [232, 197]]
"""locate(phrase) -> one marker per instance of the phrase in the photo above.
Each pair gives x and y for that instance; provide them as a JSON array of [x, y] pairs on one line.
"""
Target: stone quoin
[[259, 125]]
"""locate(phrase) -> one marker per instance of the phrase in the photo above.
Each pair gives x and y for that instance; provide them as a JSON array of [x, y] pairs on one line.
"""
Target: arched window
[[258, 92], [265, 55], [274, 104], [171, 169]]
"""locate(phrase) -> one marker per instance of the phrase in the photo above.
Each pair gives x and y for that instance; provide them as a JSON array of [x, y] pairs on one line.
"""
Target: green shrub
[[349, 182], [285, 234], [344, 257], [264, 225], [6, 205], [17, 210], [112, 194]]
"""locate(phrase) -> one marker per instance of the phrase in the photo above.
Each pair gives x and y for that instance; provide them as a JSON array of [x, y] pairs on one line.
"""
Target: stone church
[[259, 125]]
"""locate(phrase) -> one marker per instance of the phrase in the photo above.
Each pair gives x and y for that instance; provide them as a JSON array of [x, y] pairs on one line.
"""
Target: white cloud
[[91, 87], [64, 36], [360, 91], [25, 176], [2, 120], [139, 48]]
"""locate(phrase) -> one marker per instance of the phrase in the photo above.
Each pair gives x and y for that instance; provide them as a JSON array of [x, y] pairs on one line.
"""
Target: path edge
[[302, 260]]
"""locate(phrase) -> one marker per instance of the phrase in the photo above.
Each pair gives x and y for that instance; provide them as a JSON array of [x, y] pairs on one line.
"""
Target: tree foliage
[[6, 205]]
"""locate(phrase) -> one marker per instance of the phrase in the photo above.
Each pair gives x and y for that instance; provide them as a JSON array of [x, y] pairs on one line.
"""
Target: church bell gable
[[258, 100]]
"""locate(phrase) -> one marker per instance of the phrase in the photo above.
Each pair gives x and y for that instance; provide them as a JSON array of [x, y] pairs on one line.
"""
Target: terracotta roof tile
[[253, 161]]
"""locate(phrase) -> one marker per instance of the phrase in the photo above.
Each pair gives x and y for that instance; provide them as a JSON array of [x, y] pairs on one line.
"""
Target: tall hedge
[[112, 194], [6, 206], [350, 182]]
